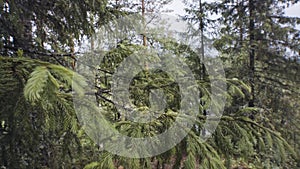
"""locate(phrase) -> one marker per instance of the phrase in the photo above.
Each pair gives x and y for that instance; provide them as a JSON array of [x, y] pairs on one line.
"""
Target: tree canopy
[[41, 77]]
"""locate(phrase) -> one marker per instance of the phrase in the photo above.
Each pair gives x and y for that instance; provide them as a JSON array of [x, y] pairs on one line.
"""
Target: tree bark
[[251, 52], [23, 39], [143, 14]]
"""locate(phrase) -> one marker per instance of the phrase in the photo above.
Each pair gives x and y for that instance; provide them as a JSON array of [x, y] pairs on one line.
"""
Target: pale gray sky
[[178, 8], [294, 10]]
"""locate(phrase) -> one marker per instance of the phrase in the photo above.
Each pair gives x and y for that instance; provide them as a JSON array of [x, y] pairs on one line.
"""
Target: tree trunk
[[251, 52], [23, 39], [143, 14]]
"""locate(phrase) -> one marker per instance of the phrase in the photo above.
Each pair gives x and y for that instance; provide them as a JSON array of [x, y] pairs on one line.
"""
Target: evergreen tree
[[38, 124], [257, 43], [42, 27], [38, 131], [237, 135]]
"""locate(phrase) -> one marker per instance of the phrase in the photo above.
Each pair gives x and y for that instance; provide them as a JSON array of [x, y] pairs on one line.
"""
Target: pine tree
[[257, 43], [236, 134], [42, 27], [38, 124]]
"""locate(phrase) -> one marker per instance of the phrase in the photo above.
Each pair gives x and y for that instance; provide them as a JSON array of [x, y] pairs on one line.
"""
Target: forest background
[[40, 51]]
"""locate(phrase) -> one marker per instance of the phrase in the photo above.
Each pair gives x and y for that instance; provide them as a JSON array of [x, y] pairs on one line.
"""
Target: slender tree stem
[[144, 24], [251, 52]]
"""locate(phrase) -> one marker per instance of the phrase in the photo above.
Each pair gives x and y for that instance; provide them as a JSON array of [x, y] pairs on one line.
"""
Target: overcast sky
[[178, 8]]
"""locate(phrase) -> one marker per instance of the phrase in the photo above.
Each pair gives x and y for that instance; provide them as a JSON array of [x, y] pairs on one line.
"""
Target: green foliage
[[236, 136], [273, 40], [38, 124], [59, 25], [37, 100]]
